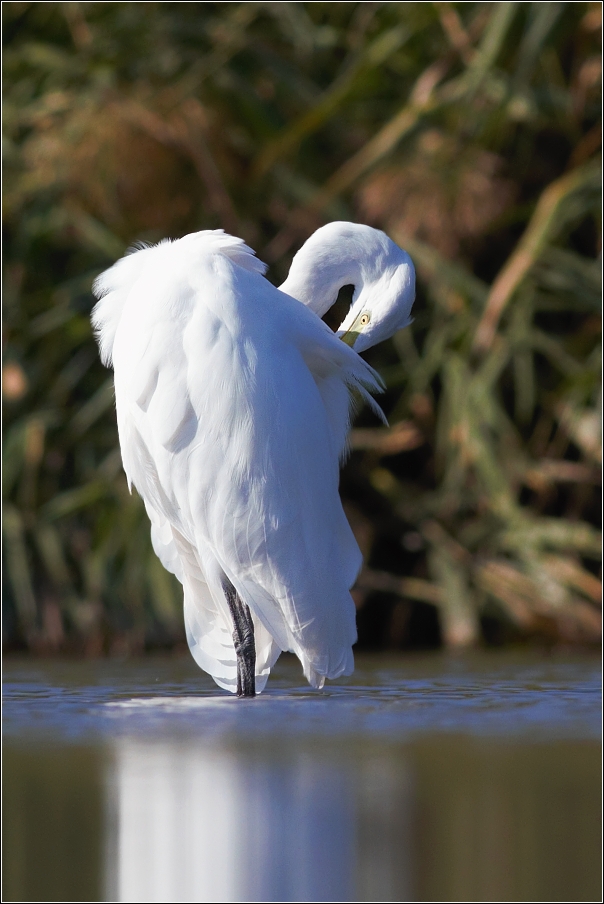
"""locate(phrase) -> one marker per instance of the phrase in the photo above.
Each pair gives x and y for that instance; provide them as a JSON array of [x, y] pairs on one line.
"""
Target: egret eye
[[365, 318]]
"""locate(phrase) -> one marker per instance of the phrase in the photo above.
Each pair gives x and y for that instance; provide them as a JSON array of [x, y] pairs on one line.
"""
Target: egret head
[[382, 274], [382, 303]]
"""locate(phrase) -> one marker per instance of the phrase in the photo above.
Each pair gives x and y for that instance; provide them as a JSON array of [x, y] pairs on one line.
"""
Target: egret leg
[[243, 638]]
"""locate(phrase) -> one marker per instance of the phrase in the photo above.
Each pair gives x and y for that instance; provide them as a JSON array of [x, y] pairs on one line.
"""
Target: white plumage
[[233, 407]]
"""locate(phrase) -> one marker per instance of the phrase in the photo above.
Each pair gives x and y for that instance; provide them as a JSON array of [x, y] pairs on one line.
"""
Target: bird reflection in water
[[204, 823]]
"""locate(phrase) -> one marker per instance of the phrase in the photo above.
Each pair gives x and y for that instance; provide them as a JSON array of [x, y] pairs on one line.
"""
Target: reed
[[470, 132]]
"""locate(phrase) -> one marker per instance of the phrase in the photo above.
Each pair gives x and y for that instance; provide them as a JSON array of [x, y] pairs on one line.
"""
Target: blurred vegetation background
[[470, 133]]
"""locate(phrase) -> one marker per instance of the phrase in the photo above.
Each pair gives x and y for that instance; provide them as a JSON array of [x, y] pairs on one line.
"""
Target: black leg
[[243, 638]]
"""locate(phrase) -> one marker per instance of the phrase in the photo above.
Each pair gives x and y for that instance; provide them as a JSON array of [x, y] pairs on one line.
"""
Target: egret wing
[[264, 466]]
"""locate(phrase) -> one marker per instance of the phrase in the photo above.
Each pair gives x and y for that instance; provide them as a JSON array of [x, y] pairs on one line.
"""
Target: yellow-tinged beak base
[[350, 337]]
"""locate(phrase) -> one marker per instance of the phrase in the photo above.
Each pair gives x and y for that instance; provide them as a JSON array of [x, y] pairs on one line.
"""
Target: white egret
[[233, 406]]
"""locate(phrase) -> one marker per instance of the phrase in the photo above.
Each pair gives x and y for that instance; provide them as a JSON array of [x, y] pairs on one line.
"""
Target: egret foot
[[243, 638]]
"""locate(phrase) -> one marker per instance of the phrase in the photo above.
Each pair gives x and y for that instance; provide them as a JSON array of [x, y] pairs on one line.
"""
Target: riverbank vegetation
[[470, 133]]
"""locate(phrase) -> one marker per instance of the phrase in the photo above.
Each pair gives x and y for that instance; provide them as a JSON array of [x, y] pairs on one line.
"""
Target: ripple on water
[[491, 695]]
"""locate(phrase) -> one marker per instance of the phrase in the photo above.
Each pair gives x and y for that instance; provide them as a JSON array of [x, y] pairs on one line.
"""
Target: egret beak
[[350, 337]]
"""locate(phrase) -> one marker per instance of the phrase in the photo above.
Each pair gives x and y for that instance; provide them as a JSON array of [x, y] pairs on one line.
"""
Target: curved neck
[[338, 254], [316, 282]]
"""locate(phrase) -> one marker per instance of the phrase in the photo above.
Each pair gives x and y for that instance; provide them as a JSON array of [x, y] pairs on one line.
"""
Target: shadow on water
[[429, 778]]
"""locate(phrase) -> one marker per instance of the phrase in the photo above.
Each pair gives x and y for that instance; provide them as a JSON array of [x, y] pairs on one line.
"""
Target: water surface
[[417, 778]]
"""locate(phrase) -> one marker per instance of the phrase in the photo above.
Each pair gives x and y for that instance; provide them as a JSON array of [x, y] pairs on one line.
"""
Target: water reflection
[[499, 821], [53, 827], [439, 780], [199, 823]]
